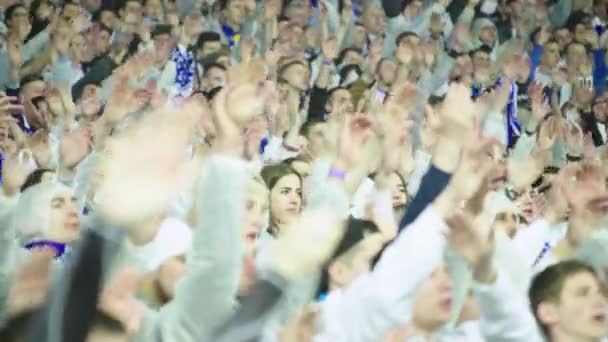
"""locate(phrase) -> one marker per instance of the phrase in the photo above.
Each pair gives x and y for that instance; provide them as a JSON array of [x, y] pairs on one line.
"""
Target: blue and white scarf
[[185, 71], [513, 125]]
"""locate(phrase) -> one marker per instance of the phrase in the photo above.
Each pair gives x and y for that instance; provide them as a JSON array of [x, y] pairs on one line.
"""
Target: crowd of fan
[[295, 170]]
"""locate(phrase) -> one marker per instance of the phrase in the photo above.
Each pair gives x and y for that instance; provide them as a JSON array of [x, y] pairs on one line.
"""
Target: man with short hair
[[568, 303]]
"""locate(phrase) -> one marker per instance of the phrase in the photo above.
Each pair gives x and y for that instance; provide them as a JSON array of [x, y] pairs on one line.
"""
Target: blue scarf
[[232, 35], [513, 125], [61, 249], [185, 71]]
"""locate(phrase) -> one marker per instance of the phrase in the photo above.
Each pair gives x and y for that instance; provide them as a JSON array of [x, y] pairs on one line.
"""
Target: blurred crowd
[[303, 170]]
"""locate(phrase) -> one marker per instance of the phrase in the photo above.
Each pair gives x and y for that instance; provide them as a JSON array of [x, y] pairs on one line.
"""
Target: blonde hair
[[258, 189]]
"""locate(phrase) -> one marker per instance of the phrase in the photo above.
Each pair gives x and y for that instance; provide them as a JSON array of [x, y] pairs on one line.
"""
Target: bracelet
[[336, 173], [528, 133], [328, 62], [572, 158], [290, 148]]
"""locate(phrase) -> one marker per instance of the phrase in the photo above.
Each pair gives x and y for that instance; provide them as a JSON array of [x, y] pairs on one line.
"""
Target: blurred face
[[215, 77], [316, 139], [209, 48], [487, 35], [255, 215], [581, 309], [153, 9], [132, 13], [576, 55], [44, 11], [254, 222], [413, 8], [398, 191], [516, 9], [599, 110], [297, 75], [373, 19], [551, 55], [70, 11], [235, 12], [163, 45], [31, 90], [299, 12], [108, 18], [352, 57], [64, 222], [579, 33], [102, 43], [341, 100], [359, 36], [388, 71], [286, 199], [563, 38], [20, 17], [91, 5], [348, 267], [481, 60], [433, 303], [77, 48]]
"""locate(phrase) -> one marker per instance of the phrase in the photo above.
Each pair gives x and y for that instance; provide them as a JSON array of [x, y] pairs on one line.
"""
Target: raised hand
[[353, 133], [119, 302], [30, 287], [306, 245], [15, 171], [9, 105], [74, 147], [145, 167], [470, 238]]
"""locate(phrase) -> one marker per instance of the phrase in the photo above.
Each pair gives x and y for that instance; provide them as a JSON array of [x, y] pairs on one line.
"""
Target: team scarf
[[513, 125]]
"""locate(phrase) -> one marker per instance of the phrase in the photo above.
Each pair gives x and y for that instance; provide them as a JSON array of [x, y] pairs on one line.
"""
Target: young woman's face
[[398, 190], [286, 199], [64, 221], [255, 220]]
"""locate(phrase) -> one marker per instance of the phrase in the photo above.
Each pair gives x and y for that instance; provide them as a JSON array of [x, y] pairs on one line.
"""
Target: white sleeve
[[505, 313], [274, 152], [423, 162], [379, 301]]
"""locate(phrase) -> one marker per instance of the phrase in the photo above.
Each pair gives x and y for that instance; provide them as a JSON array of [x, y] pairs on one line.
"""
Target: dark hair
[[8, 14], [547, 285], [103, 27], [404, 35], [29, 79], [34, 178], [356, 231], [345, 51], [161, 29], [283, 68], [483, 49], [35, 5], [271, 174], [206, 37], [305, 129], [210, 66], [211, 93]]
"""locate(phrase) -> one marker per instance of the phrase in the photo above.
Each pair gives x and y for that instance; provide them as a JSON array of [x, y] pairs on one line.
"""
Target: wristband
[[290, 148], [328, 62], [336, 173], [572, 158]]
